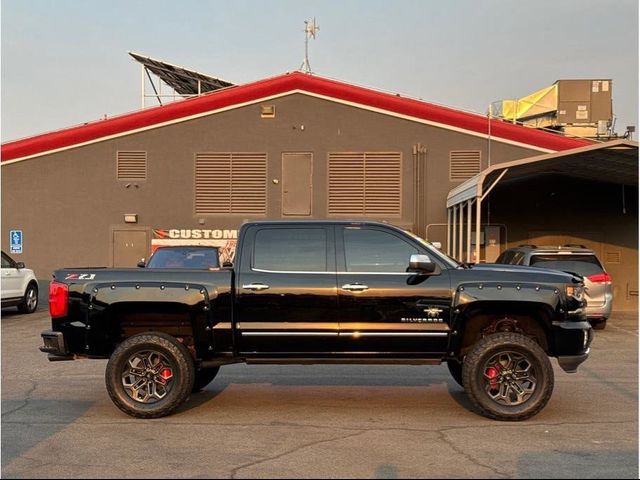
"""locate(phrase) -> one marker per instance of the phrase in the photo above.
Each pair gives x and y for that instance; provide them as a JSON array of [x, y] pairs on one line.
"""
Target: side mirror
[[20, 265], [438, 245], [421, 263], [141, 264]]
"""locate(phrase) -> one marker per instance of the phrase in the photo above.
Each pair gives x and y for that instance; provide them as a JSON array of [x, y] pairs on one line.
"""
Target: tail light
[[603, 277], [58, 299]]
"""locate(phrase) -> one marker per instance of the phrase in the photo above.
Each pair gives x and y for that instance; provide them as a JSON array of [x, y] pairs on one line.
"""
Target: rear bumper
[[54, 345]]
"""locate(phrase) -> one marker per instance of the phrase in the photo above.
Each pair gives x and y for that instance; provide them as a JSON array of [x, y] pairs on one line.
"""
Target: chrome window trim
[[331, 273]]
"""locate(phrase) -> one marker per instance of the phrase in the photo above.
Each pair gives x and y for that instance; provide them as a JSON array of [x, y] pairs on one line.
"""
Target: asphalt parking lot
[[315, 421]]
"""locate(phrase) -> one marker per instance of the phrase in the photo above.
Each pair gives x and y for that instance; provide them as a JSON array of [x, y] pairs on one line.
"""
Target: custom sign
[[224, 240], [15, 241]]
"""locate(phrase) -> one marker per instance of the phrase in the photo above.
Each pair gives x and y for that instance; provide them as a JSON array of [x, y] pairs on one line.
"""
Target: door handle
[[355, 287], [255, 286]]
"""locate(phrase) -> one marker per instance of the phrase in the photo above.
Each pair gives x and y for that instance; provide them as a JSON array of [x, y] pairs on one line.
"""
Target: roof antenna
[[310, 29]]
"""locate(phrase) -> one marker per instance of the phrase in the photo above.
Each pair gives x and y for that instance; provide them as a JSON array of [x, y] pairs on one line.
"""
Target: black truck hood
[[500, 267]]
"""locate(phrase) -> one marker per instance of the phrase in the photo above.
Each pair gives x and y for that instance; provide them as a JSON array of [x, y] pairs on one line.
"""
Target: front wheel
[[508, 377], [30, 299], [149, 375]]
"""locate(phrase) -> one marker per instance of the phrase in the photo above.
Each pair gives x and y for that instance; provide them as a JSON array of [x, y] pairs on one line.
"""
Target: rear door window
[[291, 249], [584, 265], [505, 257]]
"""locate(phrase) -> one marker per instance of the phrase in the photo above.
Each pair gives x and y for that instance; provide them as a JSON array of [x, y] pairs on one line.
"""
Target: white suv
[[19, 286]]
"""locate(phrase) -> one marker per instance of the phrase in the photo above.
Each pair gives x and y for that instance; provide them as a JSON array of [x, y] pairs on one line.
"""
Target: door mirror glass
[[20, 265], [421, 263]]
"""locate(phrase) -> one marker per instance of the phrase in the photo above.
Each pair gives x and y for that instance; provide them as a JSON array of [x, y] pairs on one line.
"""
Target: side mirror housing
[[20, 265], [141, 264], [422, 264], [437, 245]]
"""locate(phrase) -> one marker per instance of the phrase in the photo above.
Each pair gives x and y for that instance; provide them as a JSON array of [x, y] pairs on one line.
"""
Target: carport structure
[[613, 162]]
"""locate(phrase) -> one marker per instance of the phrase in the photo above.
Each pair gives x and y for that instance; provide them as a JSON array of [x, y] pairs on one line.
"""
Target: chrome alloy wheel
[[147, 376], [510, 378], [32, 299]]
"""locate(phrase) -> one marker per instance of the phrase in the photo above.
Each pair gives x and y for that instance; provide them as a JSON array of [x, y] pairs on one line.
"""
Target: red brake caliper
[[166, 374], [492, 374]]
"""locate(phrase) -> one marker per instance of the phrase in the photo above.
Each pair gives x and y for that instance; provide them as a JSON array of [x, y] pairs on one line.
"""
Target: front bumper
[[571, 343], [570, 363], [54, 345]]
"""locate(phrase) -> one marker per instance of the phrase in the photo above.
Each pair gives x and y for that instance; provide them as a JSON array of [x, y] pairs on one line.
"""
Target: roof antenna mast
[[310, 29]]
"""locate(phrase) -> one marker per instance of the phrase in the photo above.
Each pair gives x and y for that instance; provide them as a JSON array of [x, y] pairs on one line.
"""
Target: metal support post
[[478, 222], [455, 231], [448, 231], [469, 218], [461, 237]]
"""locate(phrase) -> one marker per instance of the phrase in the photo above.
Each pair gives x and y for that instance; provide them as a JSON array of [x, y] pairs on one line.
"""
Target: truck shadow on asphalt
[[220, 385]]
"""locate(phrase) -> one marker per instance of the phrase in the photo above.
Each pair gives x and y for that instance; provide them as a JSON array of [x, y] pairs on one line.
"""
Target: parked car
[[189, 257], [310, 292], [19, 286], [576, 259]]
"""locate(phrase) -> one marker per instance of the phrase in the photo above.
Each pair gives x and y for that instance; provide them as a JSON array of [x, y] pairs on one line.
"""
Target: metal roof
[[613, 162], [282, 85], [182, 80]]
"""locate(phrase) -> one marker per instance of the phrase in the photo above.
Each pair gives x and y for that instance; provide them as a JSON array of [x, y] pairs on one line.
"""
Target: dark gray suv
[[574, 259]]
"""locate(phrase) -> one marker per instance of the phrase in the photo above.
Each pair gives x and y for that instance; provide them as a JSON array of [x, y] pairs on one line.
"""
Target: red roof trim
[[279, 85]]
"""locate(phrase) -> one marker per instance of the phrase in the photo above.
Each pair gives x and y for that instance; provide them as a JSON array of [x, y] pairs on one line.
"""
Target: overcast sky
[[65, 62]]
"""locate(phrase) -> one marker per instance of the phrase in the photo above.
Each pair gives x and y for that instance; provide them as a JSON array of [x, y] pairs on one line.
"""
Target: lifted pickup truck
[[323, 292]]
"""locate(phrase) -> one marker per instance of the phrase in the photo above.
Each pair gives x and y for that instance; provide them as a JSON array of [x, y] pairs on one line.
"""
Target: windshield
[[434, 251], [584, 265], [189, 258]]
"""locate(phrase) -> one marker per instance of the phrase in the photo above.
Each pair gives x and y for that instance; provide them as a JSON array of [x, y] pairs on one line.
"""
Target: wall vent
[[231, 183], [464, 164], [612, 257], [365, 183], [131, 165]]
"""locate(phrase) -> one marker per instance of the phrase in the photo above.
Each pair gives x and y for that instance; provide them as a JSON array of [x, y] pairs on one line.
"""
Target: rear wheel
[[149, 375], [508, 377], [30, 299], [204, 377], [455, 369]]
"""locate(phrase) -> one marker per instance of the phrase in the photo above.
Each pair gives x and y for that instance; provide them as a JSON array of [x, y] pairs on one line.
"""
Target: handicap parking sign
[[15, 238]]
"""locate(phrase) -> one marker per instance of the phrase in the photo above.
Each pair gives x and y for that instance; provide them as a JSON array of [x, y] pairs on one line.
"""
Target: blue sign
[[15, 240]]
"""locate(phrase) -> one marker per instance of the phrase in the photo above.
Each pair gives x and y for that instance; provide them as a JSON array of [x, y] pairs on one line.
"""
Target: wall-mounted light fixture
[[130, 218]]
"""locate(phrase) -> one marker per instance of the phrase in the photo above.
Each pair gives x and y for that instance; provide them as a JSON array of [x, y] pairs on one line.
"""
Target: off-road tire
[[455, 369], [29, 300], [204, 377], [181, 364], [475, 381]]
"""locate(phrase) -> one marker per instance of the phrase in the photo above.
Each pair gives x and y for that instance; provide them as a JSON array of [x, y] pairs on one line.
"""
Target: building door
[[129, 247], [297, 184]]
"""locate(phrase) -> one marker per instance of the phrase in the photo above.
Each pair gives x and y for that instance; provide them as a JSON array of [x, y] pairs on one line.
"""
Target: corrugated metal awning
[[612, 162]]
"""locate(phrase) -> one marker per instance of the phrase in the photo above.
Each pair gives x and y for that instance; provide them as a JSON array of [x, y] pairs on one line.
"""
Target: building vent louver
[[131, 165], [464, 164], [364, 183], [231, 183]]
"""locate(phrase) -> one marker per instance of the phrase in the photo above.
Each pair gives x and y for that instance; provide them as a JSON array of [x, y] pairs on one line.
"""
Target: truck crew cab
[[323, 292]]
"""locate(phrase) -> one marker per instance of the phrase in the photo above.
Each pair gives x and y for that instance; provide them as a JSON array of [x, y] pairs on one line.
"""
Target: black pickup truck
[[323, 292]]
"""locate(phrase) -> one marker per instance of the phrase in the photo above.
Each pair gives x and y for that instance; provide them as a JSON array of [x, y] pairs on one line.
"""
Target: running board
[[343, 361]]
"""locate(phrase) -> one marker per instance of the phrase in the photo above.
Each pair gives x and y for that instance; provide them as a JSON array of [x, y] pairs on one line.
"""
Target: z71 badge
[[80, 276]]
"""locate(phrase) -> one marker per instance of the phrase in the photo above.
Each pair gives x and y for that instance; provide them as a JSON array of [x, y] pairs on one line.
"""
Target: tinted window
[[505, 257], [291, 249], [584, 265], [375, 251], [190, 258], [6, 261]]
